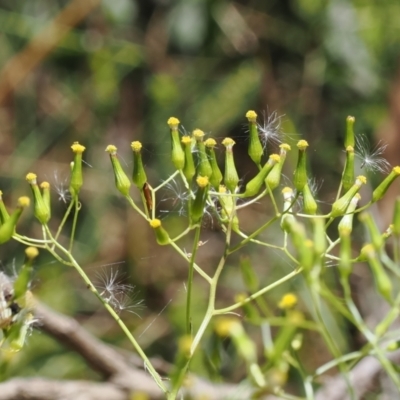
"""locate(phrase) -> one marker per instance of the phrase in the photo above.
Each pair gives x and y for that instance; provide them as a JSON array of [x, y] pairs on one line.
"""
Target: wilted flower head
[[120, 295], [271, 129], [371, 157]]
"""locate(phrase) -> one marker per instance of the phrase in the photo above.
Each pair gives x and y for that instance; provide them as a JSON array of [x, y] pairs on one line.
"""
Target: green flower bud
[[396, 217], [300, 174], [228, 211], [255, 149], [189, 170], [274, 177], [345, 266], [162, 236], [216, 175], [287, 219], [197, 205], [76, 174], [45, 186], [177, 153], [122, 182], [8, 227], [139, 177], [348, 172], [41, 210], [346, 223], [349, 137], [3, 211], [305, 248], [319, 236], [382, 281], [204, 167], [309, 204], [254, 186], [339, 207], [286, 334], [380, 191], [182, 356], [231, 177], [376, 237], [21, 284]]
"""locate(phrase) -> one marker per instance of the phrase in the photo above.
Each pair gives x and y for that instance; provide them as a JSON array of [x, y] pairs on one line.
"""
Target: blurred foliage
[[119, 74]]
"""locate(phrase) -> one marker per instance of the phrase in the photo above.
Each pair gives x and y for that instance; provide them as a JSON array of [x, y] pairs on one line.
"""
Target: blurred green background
[[113, 71]]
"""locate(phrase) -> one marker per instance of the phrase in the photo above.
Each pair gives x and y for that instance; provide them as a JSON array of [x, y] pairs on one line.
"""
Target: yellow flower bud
[[254, 186], [177, 153], [139, 177], [216, 175], [8, 227], [300, 174], [41, 207], [76, 181], [380, 191], [339, 207], [231, 177], [198, 204], [255, 149], [162, 236], [122, 182], [204, 167], [189, 170]]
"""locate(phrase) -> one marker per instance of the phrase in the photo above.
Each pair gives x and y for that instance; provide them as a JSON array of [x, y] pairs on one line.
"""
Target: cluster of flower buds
[[41, 193], [194, 156]]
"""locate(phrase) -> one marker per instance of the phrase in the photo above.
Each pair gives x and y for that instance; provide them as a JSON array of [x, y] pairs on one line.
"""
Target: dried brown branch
[[363, 379], [112, 364], [44, 389]]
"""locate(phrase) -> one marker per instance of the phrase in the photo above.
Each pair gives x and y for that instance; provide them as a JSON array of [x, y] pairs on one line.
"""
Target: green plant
[[308, 242]]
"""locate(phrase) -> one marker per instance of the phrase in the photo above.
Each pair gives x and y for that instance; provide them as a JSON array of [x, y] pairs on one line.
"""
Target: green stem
[[166, 181], [344, 369], [258, 294], [135, 207], [254, 234], [372, 339], [71, 204], [195, 266], [77, 208], [190, 281]]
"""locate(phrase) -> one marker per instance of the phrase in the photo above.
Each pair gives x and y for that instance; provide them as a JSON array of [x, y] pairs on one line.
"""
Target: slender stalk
[[195, 266], [71, 204], [77, 208], [259, 293], [190, 281], [135, 207]]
